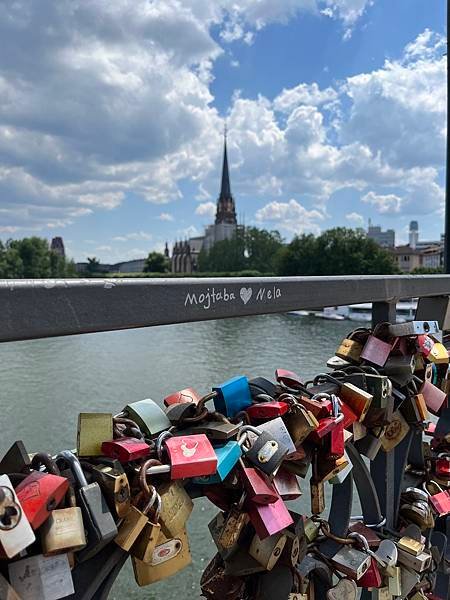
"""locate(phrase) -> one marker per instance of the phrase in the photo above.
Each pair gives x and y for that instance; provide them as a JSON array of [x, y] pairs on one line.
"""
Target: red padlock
[[442, 466], [425, 344], [337, 442], [372, 577], [349, 416], [39, 494], [288, 378], [267, 410], [440, 501], [319, 408], [190, 456], [257, 485], [126, 449], [325, 427], [286, 484], [183, 396], [268, 519]]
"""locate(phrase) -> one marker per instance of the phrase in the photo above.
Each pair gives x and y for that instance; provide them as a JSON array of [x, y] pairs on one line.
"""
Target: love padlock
[[189, 455]]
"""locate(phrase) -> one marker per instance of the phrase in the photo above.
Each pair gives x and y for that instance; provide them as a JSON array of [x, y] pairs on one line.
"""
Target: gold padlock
[[93, 430], [135, 521], [410, 545], [317, 496], [234, 523], [267, 551], [170, 556], [395, 432], [299, 423], [146, 542], [176, 507], [438, 354], [115, 488], [351, 347], [63, 531]]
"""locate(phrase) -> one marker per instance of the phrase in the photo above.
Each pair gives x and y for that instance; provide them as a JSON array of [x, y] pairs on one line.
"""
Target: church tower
[[226, 210]]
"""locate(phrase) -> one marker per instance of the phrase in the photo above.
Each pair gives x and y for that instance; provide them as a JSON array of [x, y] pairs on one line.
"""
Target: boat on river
[[357, 312]]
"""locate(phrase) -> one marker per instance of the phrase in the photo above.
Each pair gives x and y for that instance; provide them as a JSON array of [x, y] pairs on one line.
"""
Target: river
[[44, 384]]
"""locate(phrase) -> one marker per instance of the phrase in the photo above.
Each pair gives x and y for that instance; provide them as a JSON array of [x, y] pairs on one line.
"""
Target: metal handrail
[[38, 308]]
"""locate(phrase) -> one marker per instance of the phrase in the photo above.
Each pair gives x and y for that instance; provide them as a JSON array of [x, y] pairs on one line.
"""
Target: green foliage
[[251, 248], [338, 251], [246, 273], [31, 258], [156, 263], [427, 271]]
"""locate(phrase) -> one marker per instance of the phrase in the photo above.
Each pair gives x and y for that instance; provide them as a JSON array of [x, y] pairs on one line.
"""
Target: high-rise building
[[383, 238], [413, 234]]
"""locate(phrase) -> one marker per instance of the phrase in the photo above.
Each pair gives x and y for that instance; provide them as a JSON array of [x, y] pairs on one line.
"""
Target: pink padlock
[[126, 449], [377, 350], [268, 519], [190, 456]]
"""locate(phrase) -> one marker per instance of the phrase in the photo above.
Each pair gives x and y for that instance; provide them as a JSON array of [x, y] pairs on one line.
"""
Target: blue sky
[[111, 118]]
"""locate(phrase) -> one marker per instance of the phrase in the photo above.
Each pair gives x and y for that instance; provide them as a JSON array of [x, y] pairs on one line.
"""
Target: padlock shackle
[[74, 465], [42, 458], [165, 435], [242, 434]]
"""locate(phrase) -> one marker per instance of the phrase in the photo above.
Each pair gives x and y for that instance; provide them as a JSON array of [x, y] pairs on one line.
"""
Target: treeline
[[338, 251], [32, 258]]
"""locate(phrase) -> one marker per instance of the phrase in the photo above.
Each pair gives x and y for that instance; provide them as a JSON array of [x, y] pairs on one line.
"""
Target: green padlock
[[149, 416]]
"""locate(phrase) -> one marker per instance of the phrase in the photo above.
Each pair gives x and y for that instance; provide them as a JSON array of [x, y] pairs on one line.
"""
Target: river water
[[44, 384]]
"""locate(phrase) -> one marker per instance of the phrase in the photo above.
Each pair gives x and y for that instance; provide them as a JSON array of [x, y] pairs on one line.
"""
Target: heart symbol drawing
[[246, 294]]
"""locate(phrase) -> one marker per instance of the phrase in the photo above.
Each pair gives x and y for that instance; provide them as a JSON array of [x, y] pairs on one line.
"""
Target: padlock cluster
[[128, 488]]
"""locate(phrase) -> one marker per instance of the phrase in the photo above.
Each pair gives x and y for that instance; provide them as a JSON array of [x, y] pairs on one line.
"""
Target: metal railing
[[32, 309], [44, 308]]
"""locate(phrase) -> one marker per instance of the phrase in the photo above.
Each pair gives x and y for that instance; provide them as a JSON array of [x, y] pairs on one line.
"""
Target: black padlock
[[98, 521], [266, 453], [176, 413], [16, 460], [261, 385]]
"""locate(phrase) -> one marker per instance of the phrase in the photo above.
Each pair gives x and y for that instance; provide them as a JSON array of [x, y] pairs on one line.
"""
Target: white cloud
[[356, 219], [138, 235], [291, 216], [187, 232], [206, 209], [388, 203], [304, 93], [165, 217]]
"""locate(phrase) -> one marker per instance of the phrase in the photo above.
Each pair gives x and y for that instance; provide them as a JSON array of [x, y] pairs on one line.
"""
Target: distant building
[[383, 238], [57, 246], [129, 266], [185, 254], [419, 254]]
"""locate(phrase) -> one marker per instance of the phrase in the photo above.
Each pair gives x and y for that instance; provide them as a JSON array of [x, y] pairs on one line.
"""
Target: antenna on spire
[[225, 130]]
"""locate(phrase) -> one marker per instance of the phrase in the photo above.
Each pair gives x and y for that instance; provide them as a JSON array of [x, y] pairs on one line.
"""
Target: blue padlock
[[232, 396], [227, 457]]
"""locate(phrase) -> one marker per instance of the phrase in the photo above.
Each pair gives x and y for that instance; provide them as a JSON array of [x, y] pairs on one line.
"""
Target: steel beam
[[45, 308]]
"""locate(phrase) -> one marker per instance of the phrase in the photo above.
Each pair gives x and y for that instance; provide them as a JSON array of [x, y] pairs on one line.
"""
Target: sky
[[112, 117]]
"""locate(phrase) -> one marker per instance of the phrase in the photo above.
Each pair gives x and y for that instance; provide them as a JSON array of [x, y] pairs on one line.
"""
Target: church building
[[185, 254]]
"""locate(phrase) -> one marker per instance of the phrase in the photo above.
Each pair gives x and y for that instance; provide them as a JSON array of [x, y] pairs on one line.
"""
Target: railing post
[[382, 468], [434, 308]]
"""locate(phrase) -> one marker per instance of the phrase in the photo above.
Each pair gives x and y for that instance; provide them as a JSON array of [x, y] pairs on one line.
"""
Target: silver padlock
[[16, 533], [43, 577]]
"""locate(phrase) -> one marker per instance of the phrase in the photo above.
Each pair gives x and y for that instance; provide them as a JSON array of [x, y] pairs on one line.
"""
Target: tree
[[250, 248], [34, 254], [156, 263], [338, 251]]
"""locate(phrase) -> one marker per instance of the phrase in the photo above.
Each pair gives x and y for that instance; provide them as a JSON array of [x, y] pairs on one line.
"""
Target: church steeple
[[226, 211]]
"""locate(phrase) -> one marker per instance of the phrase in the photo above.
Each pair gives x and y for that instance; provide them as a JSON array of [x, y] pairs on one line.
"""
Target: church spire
[[226, 211]]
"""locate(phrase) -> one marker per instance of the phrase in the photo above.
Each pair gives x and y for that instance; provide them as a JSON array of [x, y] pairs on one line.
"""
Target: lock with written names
[[6, 591], [410, 545], [233, 525], [351, 347], [39, 494], [265, 453], [93, 429], [378, 347], [99, 524], [183, 396], [418, 563], [125, 449], [268, 551], [227, 457], [232, 396], [170, 556], [413, 328], [115, 487], [16, 533], [150, 417], [190, 456], [63, 531], [43, 577], [16, 459], [395, 432], [176, 507]]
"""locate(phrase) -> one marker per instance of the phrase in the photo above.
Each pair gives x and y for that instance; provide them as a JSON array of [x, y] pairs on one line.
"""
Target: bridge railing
[[44, 308]]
